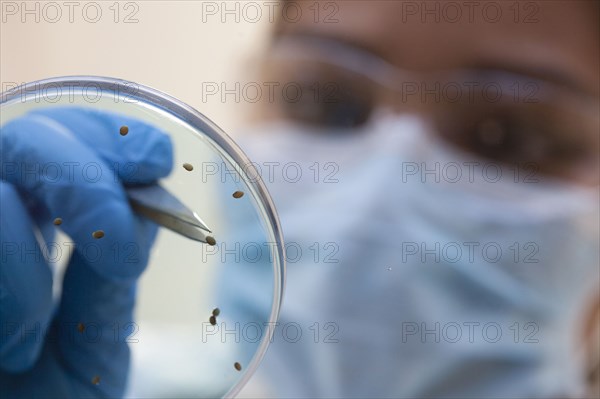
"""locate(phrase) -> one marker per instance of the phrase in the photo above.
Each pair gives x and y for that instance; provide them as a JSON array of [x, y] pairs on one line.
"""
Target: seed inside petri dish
[[96, 380], [238, 194], [210, 240], [81, 327], [98, 234], [237, 366], [212, 320], [57, 221], [188, 166], [124, 130], [216, 312]]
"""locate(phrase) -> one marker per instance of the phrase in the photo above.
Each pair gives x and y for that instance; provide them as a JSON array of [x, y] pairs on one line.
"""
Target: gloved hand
[[71, 163]]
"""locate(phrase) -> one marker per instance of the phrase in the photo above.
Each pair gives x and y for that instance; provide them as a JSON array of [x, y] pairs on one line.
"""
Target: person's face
[[551, 46]]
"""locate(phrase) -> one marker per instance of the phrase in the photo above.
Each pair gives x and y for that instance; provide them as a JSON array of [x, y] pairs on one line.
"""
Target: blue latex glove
[[72, 163]]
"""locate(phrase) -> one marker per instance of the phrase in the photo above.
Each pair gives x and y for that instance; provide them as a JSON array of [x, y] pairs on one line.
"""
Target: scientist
[[458, 226]]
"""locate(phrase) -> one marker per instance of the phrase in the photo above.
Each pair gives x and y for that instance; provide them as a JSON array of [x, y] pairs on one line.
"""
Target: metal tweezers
[[159, 205]]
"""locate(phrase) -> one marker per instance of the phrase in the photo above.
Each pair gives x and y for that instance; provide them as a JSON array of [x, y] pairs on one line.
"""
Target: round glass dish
[[177, 349]]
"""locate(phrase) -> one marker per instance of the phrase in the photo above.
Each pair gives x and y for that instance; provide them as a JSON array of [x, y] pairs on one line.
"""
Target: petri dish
[[192, 335]]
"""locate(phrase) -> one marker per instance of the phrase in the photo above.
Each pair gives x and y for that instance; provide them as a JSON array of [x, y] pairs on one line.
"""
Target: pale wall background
[[169, 48]]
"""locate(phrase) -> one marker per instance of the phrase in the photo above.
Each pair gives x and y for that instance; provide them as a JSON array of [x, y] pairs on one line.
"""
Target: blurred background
[[162, 44]]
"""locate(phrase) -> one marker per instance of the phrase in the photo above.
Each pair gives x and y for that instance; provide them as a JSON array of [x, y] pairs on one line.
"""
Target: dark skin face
[[554, 41], [559, 44]]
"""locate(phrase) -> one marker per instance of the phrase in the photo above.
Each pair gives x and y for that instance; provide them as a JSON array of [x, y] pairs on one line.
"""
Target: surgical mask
[[439, 274]]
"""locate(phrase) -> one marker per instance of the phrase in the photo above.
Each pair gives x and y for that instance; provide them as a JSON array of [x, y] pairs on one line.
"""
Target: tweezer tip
[[200, 223]]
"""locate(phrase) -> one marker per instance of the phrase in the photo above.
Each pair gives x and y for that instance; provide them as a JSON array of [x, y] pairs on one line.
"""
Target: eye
[[504, 139], [552, 128], [516, 136], [517, 140], [331, 104], [320, 95]]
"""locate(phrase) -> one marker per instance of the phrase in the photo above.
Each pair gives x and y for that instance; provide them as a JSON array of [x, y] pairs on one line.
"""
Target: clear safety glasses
[[499, 115]]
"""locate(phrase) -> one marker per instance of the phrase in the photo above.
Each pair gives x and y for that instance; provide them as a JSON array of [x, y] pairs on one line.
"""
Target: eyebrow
[[356, 43], [544, 73]]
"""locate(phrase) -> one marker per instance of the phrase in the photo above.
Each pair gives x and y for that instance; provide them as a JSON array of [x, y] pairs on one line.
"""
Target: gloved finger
[[43, 220], [38, 155], [95, 318], [143, 155], [25, 285]]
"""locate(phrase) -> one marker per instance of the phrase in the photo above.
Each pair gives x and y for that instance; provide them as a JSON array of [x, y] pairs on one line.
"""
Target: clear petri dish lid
[[177, 348]]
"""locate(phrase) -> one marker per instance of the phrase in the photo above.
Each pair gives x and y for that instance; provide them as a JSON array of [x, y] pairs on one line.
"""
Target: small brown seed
[[238, 194], [210, 240], [216, 312], [57, 221], [96, 380], [188, 166], [237, 366], [81, 327], [98, 234], [124, 130], [212, 320]]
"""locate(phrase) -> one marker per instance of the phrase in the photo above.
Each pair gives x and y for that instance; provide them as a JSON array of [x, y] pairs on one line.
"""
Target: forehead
[[560, 37]]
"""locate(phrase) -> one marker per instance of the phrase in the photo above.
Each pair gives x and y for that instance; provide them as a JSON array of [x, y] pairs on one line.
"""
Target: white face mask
[[427, 238]]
